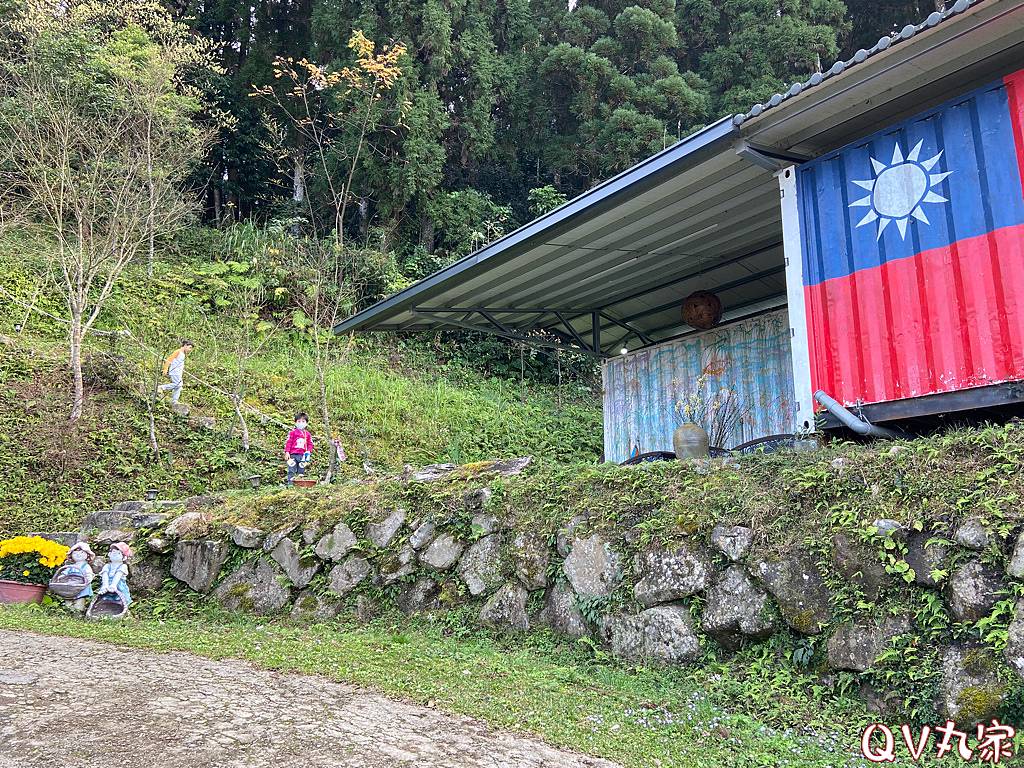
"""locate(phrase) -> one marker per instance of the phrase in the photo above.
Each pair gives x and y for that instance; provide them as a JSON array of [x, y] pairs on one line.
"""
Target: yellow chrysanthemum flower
[[51, 554]]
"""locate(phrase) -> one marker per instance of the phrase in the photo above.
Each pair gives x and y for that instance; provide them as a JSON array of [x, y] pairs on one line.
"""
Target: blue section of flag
[[982, 188]]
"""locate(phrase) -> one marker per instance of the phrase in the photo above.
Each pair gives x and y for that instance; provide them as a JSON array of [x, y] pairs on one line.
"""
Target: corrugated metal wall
[[751, 358], [913, 245]]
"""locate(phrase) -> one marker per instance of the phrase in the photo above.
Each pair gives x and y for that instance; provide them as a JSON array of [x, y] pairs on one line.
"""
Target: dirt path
[[174, 710]]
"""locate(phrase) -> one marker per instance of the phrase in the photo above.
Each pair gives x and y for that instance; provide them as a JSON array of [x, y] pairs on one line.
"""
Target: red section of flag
[[1015, 97], [946, 319]]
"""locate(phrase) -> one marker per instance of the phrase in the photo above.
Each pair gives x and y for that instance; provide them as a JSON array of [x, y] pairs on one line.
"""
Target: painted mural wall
[[744, 367]]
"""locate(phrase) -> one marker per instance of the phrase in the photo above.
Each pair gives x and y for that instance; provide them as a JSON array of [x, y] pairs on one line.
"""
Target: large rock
[[971, 691], [1015, 568], [159, 546], [1015, 641], [566, 535], [973, 590], [422, 534], [973, 534], [506, 609], [732, 541], [245, 537], [398, 566], [300, 569], [593, 568], [420, 596], [662, 635], [255, 587], [197, 562], [859, 566], [311, 532], [382, 532], [336, 544], [274, 538], [530, 557], [803, 598], [561, 614], [481, 565], [188, 525], [64, 538], [484, 524], [737, 610], [312, 607], [348, 575], [855, 646], [442, 553], [136, 518], [671, 574], [106, 538], [924, 557], [146, 577]]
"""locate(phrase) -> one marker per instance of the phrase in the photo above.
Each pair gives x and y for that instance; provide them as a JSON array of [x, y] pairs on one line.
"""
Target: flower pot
[[304, 482], [690, 441], [15, 592]]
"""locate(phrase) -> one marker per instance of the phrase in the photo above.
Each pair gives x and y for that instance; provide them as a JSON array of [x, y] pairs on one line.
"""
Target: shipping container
[[744, 366], [913, 253]]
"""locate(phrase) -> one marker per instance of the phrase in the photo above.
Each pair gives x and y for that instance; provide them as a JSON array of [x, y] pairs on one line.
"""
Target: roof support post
[[595, 332], [793, 249]]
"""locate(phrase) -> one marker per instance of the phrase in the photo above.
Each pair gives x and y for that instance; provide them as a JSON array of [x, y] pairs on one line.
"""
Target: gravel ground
[[78, 704]]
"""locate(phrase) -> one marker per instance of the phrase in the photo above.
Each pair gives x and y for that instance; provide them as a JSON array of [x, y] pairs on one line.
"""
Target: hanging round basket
[[702, 310]]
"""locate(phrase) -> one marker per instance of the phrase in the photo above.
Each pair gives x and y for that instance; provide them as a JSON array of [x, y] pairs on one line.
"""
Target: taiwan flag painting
[[913, 248]]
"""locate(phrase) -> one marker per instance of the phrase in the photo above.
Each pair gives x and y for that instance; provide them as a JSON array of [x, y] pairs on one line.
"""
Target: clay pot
[[12, 592], [304, 482], [690, 441]]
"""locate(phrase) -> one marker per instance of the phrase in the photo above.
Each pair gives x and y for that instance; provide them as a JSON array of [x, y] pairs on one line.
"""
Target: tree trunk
[[237, 401], [299, 182], [152, 207], [364, 217], [78, 388], [216, 204], [427, 233], [154, 446], [298, 192]]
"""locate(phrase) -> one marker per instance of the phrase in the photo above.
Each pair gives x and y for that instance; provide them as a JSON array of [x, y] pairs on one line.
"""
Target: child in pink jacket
[[298, 448]]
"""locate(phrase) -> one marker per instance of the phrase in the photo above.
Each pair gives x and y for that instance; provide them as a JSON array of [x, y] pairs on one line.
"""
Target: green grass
[[392, 401], [743, 713]]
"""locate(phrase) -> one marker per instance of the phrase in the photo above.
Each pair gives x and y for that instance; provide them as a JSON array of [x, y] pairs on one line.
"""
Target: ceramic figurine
[[114, 597], [73, 581]]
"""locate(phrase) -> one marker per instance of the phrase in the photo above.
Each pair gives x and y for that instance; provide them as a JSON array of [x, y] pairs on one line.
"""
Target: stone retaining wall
[[651, 605]]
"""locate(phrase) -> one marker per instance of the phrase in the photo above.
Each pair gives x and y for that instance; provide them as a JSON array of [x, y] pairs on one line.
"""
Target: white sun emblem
[[899, 189]]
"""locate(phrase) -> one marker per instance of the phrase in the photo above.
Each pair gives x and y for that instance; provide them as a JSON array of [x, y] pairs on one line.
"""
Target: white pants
[[174, 387]]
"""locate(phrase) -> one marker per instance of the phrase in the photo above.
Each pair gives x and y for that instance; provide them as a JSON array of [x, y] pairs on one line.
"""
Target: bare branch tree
[[331, 113]]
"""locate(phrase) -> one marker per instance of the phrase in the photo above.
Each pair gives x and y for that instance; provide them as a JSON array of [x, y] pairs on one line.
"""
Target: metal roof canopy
[[611, 267]]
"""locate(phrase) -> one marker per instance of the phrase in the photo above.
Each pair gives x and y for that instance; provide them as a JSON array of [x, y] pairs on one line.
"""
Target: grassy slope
[[391, 403]]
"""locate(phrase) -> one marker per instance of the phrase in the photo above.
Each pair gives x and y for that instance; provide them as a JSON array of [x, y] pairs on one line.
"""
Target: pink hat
[[123, 549]]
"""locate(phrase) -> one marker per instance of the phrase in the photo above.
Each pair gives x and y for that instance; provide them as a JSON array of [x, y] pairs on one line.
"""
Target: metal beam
[[529, 340]]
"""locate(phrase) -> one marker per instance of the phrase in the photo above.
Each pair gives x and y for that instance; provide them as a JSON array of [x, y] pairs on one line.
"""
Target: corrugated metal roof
[[884, 43]]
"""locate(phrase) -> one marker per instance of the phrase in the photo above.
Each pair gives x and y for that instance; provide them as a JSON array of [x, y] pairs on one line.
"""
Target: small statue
[[73, 581], [114, 597]]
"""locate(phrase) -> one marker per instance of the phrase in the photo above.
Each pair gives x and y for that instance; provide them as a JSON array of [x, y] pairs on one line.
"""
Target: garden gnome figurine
[[114, 575], [79, 560]]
